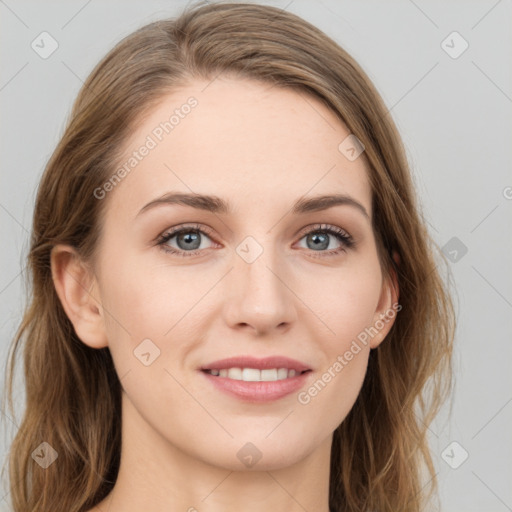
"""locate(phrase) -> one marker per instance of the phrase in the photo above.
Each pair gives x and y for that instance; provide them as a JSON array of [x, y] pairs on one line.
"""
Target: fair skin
[[260, 148]]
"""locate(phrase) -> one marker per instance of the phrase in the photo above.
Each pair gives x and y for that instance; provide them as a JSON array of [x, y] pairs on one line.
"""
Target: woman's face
[[257, 278]]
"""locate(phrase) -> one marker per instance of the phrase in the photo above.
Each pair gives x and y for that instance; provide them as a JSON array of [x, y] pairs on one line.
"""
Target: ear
[[388, 307], [77, 289]]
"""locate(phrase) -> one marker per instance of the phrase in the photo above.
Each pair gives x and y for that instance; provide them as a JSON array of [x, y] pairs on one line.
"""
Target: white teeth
[[268, 375], [282, 373], [250, 375], [255, 375], [235, 373]]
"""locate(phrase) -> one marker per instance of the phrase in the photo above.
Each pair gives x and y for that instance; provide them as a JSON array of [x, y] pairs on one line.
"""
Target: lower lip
[[258, 391]]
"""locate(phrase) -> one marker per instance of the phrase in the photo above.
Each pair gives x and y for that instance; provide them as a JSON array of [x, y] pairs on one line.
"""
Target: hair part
[[73, 395]]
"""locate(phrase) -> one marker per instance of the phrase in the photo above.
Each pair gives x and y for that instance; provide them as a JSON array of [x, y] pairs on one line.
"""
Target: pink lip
[[260, 364], [258, 391]]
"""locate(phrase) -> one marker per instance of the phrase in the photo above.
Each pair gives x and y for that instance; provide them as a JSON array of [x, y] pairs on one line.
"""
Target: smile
[[254, 374]]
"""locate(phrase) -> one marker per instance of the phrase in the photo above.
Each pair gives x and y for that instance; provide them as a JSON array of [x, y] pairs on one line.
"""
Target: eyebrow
[[216, 204]]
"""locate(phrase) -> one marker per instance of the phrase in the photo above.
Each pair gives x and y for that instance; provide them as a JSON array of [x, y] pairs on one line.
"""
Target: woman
[[235, 299]]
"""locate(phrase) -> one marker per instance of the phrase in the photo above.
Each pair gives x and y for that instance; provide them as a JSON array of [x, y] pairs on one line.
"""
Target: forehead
[[247, 141]]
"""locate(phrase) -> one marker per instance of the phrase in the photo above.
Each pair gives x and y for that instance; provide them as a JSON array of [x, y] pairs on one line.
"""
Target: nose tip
[[259, 298]]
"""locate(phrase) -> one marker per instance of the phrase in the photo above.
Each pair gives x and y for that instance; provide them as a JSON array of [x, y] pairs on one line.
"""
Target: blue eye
[[320, 235], [189, 237]]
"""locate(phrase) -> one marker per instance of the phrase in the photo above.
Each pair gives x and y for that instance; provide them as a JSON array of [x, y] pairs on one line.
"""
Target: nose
[[258, 296]]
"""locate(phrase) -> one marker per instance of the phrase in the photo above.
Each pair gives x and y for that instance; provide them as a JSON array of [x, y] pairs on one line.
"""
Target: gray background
[[454, 115]]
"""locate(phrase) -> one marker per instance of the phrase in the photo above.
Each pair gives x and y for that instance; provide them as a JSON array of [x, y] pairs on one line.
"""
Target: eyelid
[[322, 227], [176, 230]]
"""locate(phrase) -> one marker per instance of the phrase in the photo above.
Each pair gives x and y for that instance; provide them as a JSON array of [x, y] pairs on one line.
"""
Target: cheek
[[151, 302], [135, 307], [142, 298], [346, 302], [346, 308]]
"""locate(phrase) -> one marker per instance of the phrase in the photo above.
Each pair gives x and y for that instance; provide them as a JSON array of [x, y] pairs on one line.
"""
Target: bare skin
[[260, 148]]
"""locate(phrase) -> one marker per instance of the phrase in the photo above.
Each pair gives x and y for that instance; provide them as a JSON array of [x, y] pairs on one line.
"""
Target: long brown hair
[[73, 395]]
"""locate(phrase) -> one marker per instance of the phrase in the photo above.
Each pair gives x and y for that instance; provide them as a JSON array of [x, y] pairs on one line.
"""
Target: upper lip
[[260, 364]]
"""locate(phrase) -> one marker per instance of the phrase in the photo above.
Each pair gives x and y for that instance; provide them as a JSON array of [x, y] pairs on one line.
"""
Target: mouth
[[255, 374], [255, 380]]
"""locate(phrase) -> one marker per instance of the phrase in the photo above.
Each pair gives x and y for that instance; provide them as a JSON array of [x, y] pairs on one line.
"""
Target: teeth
[[250, 374], [235, 373], [255, 375], [268, 375], [282, 373]]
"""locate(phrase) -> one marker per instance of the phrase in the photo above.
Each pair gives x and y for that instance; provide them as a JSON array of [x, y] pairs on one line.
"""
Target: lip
[[264, 391], [259, 364]]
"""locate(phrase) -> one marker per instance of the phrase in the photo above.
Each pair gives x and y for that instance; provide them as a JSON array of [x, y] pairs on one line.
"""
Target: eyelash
[[340, 234]]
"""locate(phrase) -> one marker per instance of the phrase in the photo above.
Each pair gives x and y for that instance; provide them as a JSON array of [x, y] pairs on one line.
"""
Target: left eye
[[189, 240]]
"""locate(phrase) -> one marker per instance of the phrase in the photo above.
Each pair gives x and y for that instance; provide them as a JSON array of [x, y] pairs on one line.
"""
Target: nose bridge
[[259, 295]]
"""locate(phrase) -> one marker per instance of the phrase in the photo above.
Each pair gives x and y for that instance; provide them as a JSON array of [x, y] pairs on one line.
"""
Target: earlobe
[[388, 306], [76, 288]]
